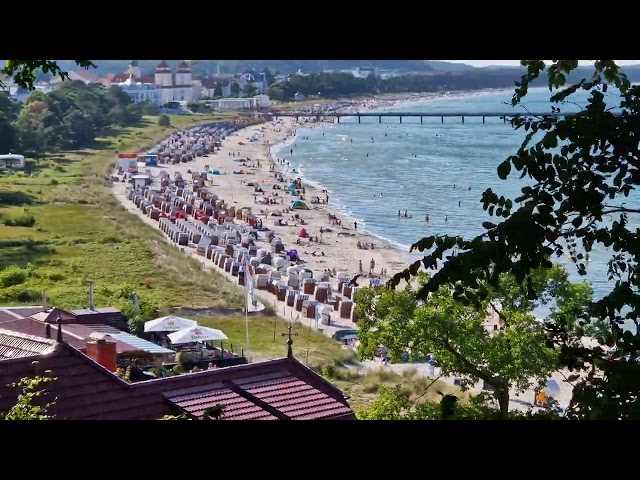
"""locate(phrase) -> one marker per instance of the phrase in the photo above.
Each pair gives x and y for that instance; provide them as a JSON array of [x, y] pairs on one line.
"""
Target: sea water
[[374, 170]]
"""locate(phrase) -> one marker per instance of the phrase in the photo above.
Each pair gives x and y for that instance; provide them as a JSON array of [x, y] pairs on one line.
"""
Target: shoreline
[[340, 250], [340, 245], [385, 101]]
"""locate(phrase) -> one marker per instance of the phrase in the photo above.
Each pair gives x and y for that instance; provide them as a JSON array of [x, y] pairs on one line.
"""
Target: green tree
[[9, 110], [235, 89], [268, 77], [32, 124], [164, 121], [28, 406], [217, 92], [25, 72], [249, 90], [512, 357], [583, 168], [392, 404]]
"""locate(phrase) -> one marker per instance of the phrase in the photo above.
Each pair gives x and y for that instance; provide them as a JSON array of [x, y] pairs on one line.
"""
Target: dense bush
[[20, 221], [12, 275]]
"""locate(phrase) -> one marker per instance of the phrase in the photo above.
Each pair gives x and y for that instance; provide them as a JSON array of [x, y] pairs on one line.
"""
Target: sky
[[484, 63]]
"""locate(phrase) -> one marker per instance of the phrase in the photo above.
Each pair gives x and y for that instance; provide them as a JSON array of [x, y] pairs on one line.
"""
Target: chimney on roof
[[92, 305], [104, 353], [47, 330], [59, 323]]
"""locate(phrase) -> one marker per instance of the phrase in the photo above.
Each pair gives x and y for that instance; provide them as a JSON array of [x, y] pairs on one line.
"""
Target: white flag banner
[[249, 275], [253, 304]]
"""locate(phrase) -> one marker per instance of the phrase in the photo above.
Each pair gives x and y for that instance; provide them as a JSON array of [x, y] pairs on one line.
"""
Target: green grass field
[[80, 234]]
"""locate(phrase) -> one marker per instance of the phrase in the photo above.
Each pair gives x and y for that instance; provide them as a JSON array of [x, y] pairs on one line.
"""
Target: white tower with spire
[[134, 69]]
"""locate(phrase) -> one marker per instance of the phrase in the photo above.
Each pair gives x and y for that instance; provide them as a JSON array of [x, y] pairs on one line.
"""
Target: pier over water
[[400, 115]]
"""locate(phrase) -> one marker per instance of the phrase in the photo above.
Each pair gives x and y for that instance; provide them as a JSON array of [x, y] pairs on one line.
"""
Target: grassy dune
[[62, 228]]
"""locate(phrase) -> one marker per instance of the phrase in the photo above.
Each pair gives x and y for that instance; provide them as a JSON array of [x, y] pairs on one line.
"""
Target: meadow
[[61, 229]]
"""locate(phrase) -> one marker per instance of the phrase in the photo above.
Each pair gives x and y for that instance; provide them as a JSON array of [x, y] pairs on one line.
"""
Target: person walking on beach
[[372, 266], [360, 265], [355, 225]]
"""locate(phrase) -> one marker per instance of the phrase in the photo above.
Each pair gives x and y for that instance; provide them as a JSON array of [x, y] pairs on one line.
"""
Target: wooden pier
[[421, 115]]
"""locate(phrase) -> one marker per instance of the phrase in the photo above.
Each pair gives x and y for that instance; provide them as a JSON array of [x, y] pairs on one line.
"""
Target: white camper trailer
[[11, 161]]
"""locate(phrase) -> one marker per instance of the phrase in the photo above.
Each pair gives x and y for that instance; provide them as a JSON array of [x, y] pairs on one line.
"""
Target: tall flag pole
[[248, 287]]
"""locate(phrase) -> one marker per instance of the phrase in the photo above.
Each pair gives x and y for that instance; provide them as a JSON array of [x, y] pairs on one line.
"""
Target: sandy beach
[[336, 246]]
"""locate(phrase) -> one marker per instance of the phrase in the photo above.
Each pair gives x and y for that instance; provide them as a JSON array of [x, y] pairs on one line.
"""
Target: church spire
[[289, 341]]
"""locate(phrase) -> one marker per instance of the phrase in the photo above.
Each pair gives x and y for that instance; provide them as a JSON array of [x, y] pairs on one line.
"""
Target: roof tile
[[13, 345], [87, 391]]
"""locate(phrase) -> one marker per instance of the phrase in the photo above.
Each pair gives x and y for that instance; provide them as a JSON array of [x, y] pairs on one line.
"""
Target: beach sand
[[339, 245]]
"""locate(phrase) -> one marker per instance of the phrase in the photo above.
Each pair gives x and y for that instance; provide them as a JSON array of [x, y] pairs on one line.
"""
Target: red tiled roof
[[29, 326], [84, 75], [25, 311], [13, 345], [85, 390], [74, 334], [51, 316], [196, 400], [295, 398], [162, 66], [183, 67]]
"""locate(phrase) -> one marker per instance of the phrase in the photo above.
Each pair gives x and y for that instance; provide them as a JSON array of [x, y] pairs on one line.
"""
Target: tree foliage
[[391, 404], [249, 90], [25, 72], [339, 84], [71, 116], [30, 405], [515, 356], [583, 168]]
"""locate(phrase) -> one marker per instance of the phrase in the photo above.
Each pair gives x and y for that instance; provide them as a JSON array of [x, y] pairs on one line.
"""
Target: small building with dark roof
[[281, 389]]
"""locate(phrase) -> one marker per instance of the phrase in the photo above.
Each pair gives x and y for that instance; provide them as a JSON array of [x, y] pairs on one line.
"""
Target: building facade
[[164, 86], [141, 92]]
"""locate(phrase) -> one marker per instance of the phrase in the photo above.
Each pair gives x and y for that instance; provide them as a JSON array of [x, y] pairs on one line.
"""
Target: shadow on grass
[[66, 161], [11, 198], [21, 252]]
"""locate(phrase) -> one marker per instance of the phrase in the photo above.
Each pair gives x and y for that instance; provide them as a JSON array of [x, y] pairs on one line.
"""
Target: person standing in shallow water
[[355, 225]]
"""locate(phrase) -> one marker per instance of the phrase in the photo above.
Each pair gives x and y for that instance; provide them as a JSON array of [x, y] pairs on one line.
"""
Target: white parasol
[[196, 334], [169, 323], [552, 388]]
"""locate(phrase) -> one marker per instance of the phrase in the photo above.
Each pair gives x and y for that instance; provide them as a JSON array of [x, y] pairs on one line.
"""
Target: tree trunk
[[502, 396]]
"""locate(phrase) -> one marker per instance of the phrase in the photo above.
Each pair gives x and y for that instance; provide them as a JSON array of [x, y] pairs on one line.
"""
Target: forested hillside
[[71, 116]]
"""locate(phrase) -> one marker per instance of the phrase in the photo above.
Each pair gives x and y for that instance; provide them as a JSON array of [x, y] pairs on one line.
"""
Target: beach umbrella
[[552, 388], [170, 323], [196, 334]]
